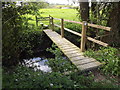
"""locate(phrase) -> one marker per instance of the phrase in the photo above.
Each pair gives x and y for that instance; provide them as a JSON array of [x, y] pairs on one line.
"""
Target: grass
[[69, 14]]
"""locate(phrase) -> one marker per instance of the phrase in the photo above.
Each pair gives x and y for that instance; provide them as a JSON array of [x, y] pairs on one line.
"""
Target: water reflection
[[38, 64]]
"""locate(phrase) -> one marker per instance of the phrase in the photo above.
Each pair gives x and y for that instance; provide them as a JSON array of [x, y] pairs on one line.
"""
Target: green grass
[[69, 14]]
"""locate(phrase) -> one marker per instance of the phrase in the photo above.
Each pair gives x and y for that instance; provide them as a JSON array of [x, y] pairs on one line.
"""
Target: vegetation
[[18, 34], [109, 57], [69, 14], [23, 39], [20, 77], [60, 64]]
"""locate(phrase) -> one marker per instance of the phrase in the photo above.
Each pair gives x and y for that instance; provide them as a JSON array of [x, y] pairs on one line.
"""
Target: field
[[69, 14]]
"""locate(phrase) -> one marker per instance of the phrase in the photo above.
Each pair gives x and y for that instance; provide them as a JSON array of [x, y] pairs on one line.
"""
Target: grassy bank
[[69, 14]]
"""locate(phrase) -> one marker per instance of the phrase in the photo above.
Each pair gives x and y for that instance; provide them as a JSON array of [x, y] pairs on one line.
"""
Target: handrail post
[[83, 38], [62, 27], [36, 21], [49, 21], [52, 24]]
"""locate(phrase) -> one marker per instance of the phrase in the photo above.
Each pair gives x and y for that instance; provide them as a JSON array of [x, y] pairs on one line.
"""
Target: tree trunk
[[84, 10], [84, 13], [114, 23]]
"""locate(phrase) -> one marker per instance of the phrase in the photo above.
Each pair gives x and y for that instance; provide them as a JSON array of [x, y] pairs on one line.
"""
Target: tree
[[114, 23], [84, 10], [13, 27]]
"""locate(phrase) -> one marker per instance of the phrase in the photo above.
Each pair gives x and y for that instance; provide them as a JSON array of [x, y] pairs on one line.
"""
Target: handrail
[[99, 27], [73, 21], [89, 38], [89, 24], [83, 33], [56, 18]]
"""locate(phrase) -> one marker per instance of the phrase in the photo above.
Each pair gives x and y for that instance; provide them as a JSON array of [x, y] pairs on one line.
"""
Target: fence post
[[49, 21], [36, 21], [83, 38], [62, 27], [52, 24]]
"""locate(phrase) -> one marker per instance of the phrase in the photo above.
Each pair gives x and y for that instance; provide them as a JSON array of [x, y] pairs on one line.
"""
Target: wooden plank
[[98, 42], [67, 46], [75, 55], [99, 27], [72, 51], [74, 21], [82, 62], [56, 18], [88, 66], [78, 58]]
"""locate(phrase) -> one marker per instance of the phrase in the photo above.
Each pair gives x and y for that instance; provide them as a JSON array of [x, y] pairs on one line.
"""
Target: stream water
[[38, 63]]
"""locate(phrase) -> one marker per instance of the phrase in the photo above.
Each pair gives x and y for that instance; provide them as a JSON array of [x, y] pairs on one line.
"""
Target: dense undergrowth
[[23, 77], [110, 57]]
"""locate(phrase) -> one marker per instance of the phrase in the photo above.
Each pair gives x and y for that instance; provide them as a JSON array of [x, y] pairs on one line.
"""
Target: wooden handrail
[[66, 29], [99, 27], [73, 21], [89, 38], [83, 35], [89, 24], [56, 18]]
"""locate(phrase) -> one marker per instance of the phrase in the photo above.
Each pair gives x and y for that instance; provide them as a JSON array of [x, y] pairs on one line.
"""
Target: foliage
[[14, 24], [109, 56], [69, 14], [59, 63], [23, 77], [30, 42]]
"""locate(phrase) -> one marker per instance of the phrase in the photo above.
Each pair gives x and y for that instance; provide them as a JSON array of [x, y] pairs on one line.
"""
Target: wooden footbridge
[[74, 53]]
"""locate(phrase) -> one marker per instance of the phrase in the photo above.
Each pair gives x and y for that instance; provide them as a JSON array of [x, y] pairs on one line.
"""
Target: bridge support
[[51, 23], [83, 38], [36, 20], [62, 27]]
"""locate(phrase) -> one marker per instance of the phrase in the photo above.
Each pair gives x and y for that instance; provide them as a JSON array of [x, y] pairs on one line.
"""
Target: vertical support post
[[36, 21], [83, 38], [49, 21], [62, 27], [52, 24]]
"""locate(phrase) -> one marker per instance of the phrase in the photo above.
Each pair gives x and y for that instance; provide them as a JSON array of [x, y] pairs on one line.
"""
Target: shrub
[[60, 63], [30, 41], [109, 56], [24, 77]]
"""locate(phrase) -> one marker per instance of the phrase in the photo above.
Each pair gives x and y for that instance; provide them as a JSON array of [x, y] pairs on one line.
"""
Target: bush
[[109, 56], [60, 63], [24, 77], [30, 42]]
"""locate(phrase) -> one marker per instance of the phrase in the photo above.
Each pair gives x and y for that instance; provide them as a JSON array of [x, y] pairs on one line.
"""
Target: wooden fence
[[83, 35]]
